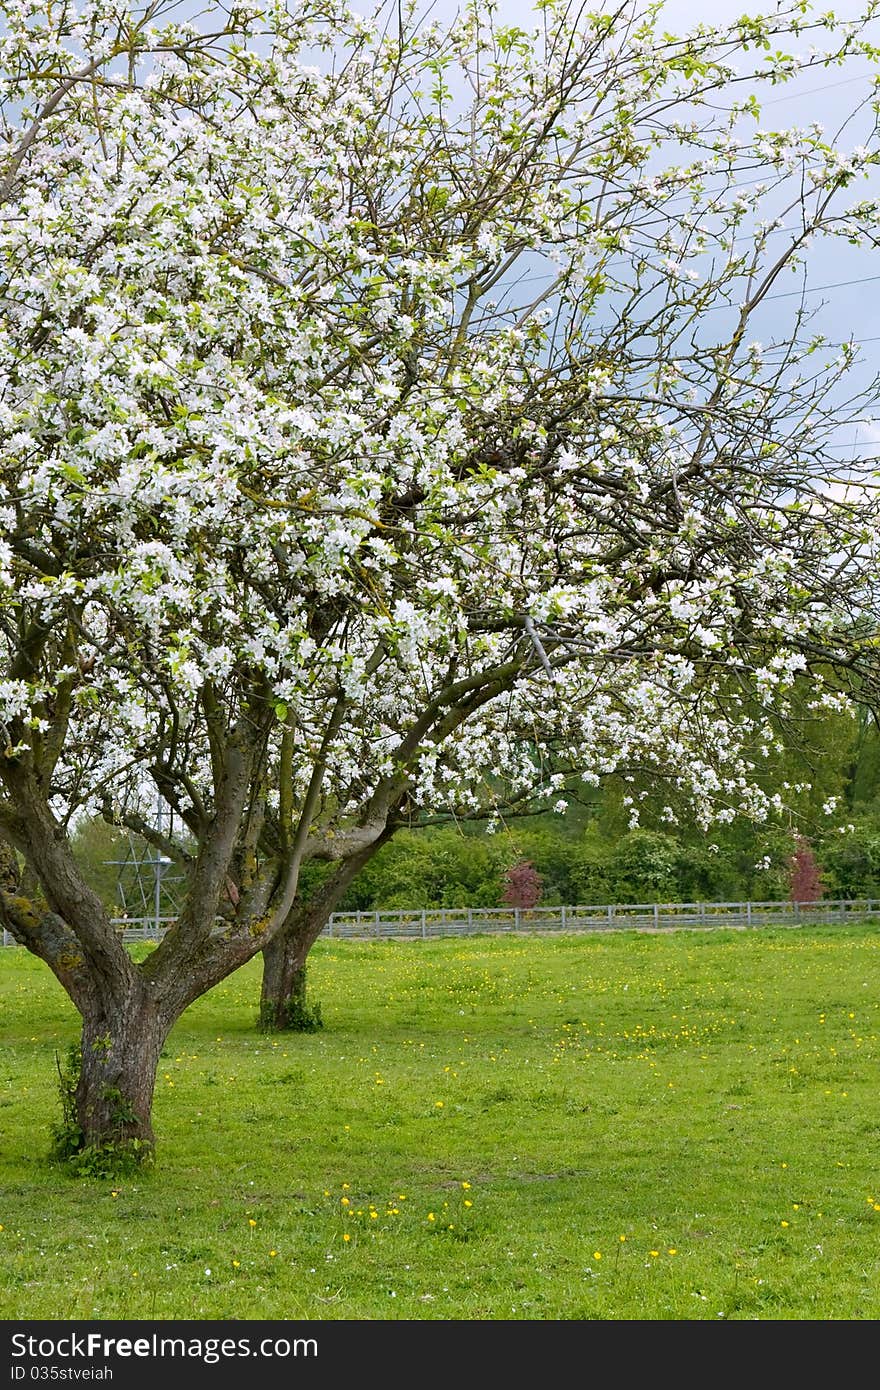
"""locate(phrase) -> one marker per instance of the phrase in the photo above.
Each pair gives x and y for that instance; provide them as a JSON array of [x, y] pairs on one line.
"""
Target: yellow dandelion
[[466, 1202], [597, 1254], [251, 1221], [272, 1254], [466, 1186], [672, 1250], [783, 1223], [346, 1201], [346, 1237], [438, 1104], [622, 1238], [236, 1264], [431, 1216]]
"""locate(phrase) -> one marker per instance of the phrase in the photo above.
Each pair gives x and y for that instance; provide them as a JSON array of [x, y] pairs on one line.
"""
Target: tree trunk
[[283, 1003], [107, 1086], [283, 997]]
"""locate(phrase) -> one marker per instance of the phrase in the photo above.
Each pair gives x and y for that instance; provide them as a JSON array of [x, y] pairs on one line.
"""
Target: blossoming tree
[[382, 426]]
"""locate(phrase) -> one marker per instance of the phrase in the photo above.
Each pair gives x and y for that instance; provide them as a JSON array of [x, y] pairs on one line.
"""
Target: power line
[[852, 444], [836, 285], [797, 294], [795, 96]]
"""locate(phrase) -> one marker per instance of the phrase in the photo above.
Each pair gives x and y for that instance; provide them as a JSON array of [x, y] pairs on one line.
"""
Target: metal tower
[[147, 881]]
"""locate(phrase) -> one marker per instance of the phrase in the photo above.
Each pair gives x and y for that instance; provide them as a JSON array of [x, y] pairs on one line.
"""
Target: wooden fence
[[470, 921], [595, 918]]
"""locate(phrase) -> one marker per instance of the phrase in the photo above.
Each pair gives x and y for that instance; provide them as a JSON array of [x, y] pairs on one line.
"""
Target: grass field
[[677, 1126]]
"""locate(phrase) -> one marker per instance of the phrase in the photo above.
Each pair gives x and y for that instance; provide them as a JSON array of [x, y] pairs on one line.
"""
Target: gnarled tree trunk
[[283, 1003], [108, 1079], [112, 1097]]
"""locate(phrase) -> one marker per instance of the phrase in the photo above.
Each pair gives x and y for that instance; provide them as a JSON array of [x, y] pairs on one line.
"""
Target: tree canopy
[[382, 426]]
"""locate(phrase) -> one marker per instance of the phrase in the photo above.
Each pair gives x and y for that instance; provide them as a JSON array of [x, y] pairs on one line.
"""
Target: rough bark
[[113, 1095], [107, 1081], [283, 1002]]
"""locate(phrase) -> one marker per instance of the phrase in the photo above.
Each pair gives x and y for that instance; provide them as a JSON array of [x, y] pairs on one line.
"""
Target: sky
[[844, 282], [850, 302]]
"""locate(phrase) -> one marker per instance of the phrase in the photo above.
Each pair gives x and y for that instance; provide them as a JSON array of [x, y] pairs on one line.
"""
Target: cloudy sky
[[844, 283]]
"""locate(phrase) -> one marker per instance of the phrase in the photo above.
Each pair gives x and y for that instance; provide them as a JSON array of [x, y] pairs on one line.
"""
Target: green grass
[[674, 1126]]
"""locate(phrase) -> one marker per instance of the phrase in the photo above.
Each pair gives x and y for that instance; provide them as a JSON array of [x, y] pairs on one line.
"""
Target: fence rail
[[595, 918], [470, 921]]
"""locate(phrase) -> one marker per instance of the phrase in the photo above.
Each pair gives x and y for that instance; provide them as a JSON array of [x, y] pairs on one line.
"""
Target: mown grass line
[[674, 1126]]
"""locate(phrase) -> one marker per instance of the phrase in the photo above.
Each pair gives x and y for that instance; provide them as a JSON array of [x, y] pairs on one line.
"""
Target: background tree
[[433, 867], [368, 445], [522, 885], [851, 861], [805, 877]]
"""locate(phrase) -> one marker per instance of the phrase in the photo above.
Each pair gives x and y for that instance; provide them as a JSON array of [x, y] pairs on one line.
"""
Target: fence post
[[366, 922]]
